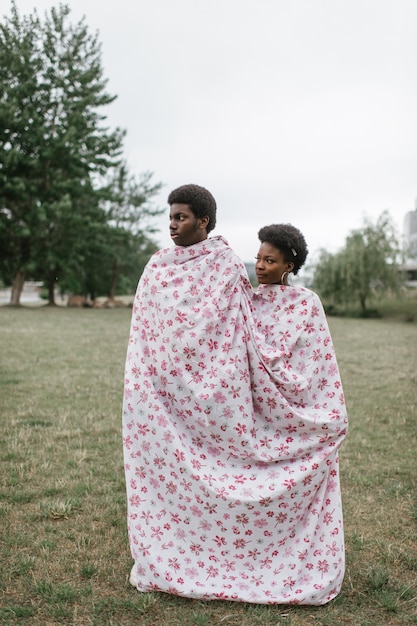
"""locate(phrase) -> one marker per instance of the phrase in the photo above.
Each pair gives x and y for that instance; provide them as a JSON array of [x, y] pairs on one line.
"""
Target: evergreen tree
[[19, 145], [55, 149], [130, 214], [123, 244]]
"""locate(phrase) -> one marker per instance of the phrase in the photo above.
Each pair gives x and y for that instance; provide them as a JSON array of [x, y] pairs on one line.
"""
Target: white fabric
[[233, 414]]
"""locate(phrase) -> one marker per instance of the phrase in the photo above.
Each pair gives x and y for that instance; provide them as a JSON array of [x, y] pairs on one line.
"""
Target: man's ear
[[204, 221]]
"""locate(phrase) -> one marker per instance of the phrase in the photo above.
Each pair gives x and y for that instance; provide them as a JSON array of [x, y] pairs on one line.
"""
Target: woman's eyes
[[266, 260]]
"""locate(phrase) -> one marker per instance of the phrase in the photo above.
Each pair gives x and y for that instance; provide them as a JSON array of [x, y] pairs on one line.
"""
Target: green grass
[[64, 550]]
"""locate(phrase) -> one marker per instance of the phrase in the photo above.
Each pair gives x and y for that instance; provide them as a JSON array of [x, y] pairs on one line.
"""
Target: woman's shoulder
[[286, 296], [304, 291], [286, 291]]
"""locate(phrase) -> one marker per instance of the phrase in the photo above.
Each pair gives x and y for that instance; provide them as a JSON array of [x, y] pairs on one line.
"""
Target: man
[[192, 214], [178, 340], [221, 469]]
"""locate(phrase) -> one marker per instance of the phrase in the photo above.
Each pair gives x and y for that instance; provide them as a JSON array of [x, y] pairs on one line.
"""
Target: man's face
[[184, 227]]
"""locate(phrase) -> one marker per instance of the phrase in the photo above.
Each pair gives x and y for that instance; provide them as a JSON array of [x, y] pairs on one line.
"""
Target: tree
[[19, 67], [122, 245], [130, 213], [54, 146], [366, 266]]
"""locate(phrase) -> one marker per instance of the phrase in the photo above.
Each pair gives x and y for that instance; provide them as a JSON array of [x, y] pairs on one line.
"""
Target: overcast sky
[[300, 111]]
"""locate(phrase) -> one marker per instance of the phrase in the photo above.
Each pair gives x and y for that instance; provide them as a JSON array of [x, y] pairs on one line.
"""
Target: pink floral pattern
[[232, 418]]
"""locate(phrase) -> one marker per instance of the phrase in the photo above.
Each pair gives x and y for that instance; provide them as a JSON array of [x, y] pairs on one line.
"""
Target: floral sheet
[[232, 418]]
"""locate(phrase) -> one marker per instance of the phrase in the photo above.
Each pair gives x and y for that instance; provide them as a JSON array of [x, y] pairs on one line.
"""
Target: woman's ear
[[290, 266]]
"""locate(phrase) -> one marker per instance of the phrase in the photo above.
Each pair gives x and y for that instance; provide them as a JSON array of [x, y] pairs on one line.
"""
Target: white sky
[[301, 111]]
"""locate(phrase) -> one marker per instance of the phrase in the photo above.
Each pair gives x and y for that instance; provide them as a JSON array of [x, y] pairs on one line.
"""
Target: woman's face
[[270, 265]]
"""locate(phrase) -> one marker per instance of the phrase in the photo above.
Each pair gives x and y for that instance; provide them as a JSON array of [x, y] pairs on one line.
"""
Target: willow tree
[[368, 265]]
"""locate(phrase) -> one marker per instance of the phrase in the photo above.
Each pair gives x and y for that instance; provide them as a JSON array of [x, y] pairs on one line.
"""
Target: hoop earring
[[283, 278]]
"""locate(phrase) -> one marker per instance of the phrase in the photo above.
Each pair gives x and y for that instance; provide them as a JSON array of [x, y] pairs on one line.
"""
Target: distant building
[[410, 233], [410, 245]]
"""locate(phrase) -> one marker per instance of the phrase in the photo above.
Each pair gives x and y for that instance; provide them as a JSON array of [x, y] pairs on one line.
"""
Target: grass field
[[64, 551]]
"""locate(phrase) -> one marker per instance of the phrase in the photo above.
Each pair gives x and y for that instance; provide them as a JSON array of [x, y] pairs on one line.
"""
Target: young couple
[[233, 414]]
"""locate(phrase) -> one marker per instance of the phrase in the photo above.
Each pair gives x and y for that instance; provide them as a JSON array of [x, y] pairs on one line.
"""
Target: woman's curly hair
[[199, 199], [289, 240]]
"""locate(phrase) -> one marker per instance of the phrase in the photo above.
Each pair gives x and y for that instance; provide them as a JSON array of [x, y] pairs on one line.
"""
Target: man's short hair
[[199, 199]]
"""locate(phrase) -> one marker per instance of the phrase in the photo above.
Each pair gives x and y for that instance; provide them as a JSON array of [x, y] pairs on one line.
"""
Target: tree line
[[71, 212]]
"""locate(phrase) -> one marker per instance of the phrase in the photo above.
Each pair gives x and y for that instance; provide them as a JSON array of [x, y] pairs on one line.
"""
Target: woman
[[283, 251], [309, 419]]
